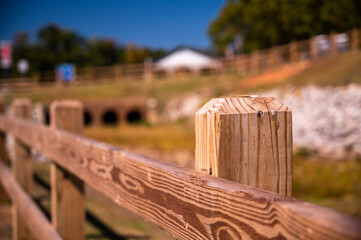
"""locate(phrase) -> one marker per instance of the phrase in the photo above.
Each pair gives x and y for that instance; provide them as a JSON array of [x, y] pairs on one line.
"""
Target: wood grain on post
[[21, 168], [247, 140], [67, 190]]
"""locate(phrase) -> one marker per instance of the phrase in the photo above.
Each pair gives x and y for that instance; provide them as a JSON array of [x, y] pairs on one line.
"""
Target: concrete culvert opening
[[134, 116], [110, 117], [88, 120], [46, 116]]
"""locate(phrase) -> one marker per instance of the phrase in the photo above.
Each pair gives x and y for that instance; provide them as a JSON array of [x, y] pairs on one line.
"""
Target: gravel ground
[[327, 120]]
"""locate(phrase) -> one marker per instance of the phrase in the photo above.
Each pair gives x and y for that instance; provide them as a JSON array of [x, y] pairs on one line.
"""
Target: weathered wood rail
[[37, 223], [186, 203]]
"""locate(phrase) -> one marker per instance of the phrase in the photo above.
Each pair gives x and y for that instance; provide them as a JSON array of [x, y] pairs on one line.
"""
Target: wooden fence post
[[274, 56], [293, 51], [247, 140], [313, 48], [255, 61], [21, 168], [333, 45], [67, 190], [148, 69], [355, 40], [90, 77], [3, 156], [118, 72]]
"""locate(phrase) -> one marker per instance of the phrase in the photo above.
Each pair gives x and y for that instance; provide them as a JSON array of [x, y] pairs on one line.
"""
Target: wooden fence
[[253, 131], [312, 49]]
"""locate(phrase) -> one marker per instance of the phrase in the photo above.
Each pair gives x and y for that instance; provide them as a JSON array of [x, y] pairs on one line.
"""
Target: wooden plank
[[3, 156], [67, 190], [21, 168], [188, 204], [246, 140], [35, 220]]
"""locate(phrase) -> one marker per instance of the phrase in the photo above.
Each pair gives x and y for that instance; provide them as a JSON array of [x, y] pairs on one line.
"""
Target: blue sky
[[157, 23]]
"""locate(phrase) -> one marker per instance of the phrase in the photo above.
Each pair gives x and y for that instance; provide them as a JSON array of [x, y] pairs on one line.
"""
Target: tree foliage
[[56, 45], [263, 24]]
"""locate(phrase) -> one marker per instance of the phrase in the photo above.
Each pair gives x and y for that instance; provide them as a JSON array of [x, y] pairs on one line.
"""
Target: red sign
[[5, 55]]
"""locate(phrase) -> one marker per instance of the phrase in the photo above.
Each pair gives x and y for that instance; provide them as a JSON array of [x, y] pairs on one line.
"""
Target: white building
[[185, 58]]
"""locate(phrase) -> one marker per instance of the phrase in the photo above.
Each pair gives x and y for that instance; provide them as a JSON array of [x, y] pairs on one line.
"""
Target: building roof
[[184, 56]]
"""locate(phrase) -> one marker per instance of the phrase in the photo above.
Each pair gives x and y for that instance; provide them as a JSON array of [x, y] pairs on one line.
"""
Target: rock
[[327, 119]]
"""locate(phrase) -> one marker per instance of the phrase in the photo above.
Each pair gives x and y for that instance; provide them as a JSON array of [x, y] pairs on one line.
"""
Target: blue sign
[[66, 72]]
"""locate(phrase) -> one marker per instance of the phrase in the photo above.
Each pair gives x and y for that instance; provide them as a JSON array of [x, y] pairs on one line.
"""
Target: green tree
[[21, 49], [55, 45], [102, 52], [135, 54], [267, 23]]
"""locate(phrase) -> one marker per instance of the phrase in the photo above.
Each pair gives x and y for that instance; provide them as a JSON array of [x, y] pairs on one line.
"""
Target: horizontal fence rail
[[35, 220], [186, 203]]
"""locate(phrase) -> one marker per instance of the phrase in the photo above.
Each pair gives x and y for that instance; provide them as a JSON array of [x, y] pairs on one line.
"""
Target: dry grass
[[165, 137]]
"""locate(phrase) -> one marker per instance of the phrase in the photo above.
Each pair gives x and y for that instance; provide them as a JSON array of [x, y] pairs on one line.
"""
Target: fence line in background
[[311, 49], [186, 203]]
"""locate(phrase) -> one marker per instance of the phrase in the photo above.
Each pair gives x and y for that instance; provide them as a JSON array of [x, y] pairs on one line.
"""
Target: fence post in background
[[89, 74], [21, 167], [255, 61], [333, 46], [293, 51], [247, 140], [274, 56], [39, 111], [239, 63], [355, 40], [148, 69], [3, 156], [67, 190], [36, 79], [118, 72], [313, 48]]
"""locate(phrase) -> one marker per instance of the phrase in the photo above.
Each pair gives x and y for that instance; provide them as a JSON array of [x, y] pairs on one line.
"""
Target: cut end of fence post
[[246, 139]]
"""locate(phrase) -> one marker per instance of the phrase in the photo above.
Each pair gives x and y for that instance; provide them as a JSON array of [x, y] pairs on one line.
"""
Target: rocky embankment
[[326, 121]]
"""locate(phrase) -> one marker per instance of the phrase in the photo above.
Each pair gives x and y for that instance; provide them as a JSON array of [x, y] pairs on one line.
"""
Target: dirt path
[[275, 75]]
